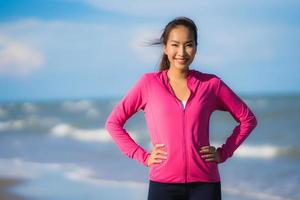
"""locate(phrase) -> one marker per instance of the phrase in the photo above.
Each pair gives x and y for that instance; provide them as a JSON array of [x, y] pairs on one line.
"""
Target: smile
[[181, 60]]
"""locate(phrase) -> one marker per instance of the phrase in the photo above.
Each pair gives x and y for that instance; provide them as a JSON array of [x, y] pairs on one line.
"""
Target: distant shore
[[5, 185]]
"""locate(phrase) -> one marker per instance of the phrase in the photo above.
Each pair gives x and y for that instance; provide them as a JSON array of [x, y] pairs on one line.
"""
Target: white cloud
[[227, 42], [157, 8], [219, 46], [59, 45], [18, 58], [138, 7]]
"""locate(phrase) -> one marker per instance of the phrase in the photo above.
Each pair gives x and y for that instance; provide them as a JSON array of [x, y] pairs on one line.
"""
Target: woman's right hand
[[157, 155]]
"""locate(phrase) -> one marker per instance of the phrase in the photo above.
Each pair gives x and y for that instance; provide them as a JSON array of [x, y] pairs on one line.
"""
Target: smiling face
[[180, 47]]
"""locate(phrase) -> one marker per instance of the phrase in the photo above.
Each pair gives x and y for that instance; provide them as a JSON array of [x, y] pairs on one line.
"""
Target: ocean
[[62, 151]]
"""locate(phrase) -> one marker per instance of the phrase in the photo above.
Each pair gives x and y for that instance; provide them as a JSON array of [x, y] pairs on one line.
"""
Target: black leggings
[[184, 191]]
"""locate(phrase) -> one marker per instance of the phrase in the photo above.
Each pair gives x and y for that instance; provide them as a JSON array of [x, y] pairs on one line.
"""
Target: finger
[[158, 146], [208, 156], [207, 149], [161, 152], [204, 151], [157, 161], [204, 147], [210, 160], [160, 157]]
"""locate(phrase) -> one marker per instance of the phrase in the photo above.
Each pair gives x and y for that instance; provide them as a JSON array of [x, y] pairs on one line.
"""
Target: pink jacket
[[182, 130]]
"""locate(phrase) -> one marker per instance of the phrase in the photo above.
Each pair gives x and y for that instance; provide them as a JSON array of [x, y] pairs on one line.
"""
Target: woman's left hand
[[210, 154]]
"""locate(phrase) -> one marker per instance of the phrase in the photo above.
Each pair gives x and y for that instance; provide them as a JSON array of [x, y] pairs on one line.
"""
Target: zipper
[[184, 147], [184, 132], [185, 157], [184, 138]]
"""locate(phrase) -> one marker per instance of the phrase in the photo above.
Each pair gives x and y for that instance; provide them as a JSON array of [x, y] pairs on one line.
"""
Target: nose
[[182, 51]]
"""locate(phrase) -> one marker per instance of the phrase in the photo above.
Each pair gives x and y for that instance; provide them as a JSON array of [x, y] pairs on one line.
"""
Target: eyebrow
[[190, 41]]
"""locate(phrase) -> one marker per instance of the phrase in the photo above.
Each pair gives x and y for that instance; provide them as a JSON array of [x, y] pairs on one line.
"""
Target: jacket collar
[[193, 80]]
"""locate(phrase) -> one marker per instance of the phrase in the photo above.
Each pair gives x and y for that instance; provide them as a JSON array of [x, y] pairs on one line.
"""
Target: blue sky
[[65, 49]]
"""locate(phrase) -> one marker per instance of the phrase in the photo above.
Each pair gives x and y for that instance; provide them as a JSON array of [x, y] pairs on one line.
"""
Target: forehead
[[181, 33]]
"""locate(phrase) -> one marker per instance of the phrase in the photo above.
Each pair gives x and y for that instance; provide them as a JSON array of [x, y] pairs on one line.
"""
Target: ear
[[165, 49]]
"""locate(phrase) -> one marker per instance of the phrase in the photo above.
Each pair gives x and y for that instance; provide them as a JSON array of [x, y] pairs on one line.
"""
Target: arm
[[132, 102], [227, 100]]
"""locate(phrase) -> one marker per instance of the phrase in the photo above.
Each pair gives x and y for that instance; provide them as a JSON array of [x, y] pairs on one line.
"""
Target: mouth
[[182, 60]]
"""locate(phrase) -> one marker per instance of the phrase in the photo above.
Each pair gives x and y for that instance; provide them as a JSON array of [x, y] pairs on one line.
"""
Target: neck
[[174, 73]]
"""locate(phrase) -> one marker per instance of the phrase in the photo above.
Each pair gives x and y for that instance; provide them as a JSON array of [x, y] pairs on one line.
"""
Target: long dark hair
[[184, 21]]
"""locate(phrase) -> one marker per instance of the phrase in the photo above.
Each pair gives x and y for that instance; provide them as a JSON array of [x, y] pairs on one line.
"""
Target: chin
[[182, 67]]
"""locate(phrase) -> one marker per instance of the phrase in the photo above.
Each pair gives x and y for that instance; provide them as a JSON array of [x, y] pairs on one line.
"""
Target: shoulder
[[151, 76], [146, 78], [206, 77]]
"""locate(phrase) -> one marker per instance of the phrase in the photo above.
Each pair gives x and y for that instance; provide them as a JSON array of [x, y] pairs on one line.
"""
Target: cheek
[[171, 52], [191, 52]]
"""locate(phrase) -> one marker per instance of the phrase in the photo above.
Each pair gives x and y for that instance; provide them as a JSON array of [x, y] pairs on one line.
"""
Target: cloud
[[137, 7], [218, 46], [59, 45], [156, 8], [18, 58]]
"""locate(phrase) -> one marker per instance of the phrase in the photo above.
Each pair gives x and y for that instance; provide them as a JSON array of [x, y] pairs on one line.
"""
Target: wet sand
[[5, 185]]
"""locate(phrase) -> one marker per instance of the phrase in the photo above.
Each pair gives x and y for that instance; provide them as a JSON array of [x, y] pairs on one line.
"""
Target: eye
[[190, 45], [174, 45]]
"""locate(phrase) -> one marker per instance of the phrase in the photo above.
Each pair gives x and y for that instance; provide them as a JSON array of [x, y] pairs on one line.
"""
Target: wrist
[[147, 160], [220, 155]]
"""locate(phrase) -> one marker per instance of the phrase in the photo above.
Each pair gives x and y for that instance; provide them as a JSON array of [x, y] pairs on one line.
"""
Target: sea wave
[[85, 135], [258, 151], [31, 122], [29, 107], [3, 112], [253, 194], [82, 106], [20, 168], [87, 176], [265, 151]]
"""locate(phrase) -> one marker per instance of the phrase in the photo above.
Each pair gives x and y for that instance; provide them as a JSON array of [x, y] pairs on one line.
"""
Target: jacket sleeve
[[132, 102], [227, 100]]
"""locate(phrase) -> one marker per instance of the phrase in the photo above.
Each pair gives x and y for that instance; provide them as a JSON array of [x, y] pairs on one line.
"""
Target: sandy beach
[[5, 185]]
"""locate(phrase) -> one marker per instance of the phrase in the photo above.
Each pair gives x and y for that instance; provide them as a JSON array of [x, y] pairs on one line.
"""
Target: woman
[[177, 102]]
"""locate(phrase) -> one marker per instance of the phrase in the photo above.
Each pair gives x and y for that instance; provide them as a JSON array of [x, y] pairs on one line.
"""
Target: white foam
[[3, 112], [12, 125], [87, 176], [258, 151], [29, 107], [28, 122], [19, 168], [86, 135], [264, 151], [83, 106], [253, 194]]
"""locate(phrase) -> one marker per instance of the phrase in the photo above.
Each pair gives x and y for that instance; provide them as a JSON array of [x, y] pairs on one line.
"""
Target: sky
[[74, 49]]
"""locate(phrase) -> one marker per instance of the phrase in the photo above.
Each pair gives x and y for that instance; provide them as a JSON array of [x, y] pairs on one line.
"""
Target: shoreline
[[5, 185]]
